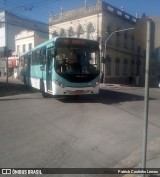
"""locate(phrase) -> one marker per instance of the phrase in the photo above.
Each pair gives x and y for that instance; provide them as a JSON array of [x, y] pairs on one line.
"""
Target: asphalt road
[[94, 131]]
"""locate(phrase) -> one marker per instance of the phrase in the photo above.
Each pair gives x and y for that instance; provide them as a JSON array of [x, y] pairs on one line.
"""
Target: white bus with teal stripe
[[62, 66]]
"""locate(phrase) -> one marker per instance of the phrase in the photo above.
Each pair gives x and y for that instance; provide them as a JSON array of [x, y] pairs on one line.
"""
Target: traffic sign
[[156, 21], [140, 32]]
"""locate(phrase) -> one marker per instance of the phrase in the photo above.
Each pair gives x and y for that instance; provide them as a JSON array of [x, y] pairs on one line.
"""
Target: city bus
[[62, 66]]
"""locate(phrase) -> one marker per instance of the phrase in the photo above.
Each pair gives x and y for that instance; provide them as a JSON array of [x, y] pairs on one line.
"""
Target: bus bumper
[[59, 90]]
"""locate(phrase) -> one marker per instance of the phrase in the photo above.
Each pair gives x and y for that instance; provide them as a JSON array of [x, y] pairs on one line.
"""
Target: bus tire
[[27, 86], [42, 90]]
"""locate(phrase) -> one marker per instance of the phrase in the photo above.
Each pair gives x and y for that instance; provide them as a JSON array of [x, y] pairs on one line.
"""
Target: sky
[[41, 9]]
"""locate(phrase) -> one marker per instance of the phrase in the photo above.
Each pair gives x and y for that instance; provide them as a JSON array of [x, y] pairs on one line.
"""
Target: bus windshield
[[77, 59]]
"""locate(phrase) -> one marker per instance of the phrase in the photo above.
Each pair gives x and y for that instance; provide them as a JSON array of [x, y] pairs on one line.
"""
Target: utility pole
[[147, 36], [146, 95], [138, 67]]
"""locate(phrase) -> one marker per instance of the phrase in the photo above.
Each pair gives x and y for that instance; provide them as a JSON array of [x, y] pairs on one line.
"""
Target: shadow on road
[[104, 97], [13, 88]]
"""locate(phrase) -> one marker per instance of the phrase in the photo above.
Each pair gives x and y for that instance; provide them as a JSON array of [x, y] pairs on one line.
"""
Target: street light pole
[[105, 51]]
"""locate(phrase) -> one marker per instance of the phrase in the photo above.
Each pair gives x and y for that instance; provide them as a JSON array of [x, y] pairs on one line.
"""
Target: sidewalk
[[153, 158], [153, 163], [13, 87], [134, 159]]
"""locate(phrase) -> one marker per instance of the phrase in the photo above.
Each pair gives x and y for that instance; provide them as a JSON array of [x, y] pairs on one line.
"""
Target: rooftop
[[89, 10]]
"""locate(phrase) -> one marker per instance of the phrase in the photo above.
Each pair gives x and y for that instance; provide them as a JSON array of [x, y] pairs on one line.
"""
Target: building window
[[24, 48], [108, 29], [108, 33], [125, 68], [29, 46], [108, 65], [117, 67], [138, 67], [18, 49], [133, 43], [71, 32], [54, 34], [80, 31], [133, 67], [62, 33], [152, 69], [125, 39], [90, 31], [117, 39]]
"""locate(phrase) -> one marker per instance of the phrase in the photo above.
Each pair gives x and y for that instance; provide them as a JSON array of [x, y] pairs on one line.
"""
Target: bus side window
[[38, 61], [28, 60], [21, 61], [43, 56], [33, 58], [36, 57], [51, 53], [25, 61]]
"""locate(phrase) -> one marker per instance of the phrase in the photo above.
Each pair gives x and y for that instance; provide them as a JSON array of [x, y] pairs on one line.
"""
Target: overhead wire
[[30, 5], [19, 6], [28, 8]]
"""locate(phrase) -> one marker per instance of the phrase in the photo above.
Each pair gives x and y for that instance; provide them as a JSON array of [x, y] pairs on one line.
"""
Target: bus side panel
[[36, 76]]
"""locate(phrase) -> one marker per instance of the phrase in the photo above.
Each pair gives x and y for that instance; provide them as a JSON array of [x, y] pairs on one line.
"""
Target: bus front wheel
[[42, 90]]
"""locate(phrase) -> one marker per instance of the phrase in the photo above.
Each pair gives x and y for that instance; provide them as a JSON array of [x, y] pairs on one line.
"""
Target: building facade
[[10, 26], [122, 58], [26, 40]]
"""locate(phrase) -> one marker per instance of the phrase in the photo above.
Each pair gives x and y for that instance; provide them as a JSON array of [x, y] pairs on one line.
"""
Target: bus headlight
[[59, 84], [95, 85]]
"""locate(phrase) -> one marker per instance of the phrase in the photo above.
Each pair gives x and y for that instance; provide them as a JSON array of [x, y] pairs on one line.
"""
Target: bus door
[[49, 68]]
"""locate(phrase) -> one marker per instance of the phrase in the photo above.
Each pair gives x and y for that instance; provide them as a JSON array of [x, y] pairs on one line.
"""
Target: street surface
[[92, 131]]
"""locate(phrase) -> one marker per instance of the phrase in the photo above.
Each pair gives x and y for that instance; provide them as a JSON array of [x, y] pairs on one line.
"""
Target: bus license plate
[[79, 91]]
